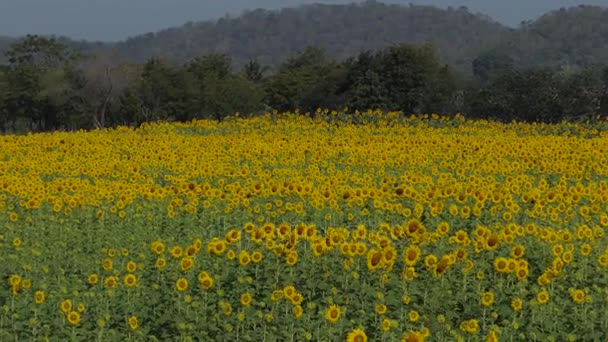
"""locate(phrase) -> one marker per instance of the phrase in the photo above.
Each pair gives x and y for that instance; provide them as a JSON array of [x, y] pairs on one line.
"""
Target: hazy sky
[[118, 19]]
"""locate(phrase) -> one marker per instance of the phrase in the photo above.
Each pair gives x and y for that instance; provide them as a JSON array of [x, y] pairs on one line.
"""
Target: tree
[[4, 88], [99, 83], [490, 64], [159, 91], [230, 95], [37, 75], [412, 76], [254, 72], [296, 84]]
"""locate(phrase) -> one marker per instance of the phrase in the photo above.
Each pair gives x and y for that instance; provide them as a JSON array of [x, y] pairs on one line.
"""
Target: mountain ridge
[[272, 36]]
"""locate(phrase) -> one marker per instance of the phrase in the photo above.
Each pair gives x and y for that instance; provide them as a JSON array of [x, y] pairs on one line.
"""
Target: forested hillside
[[575, 37], [565, 38], [343, 30]]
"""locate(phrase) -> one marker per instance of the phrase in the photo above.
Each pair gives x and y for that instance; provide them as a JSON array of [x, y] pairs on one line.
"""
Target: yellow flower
[[66, 306], [381, 309], [131, 266], [110, 282], [517, 304], [333, 313], [14, 280], [205, 280], [413, 316], [292, 258], [160, 263], [386, 325], [357, 335], [244, 258], [487, 298], [80, 308], [245, 299], [17, 242], [158, 247], [542, 297], [186, 263], [39, 297], [130, 280], [276, 295], [73, 318], [181, 284], [413, 336], [92, 279], [176, 252], [133, 322], [107, 264], [297, 311], [256, 257]]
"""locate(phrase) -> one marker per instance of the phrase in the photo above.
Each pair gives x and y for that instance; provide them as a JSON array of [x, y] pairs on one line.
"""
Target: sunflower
[[381, 309], [542, 297], [521, 273], [374, 259], [413, 316], [333, 313], [411, 255], [14, 280], [409, 274], [578, 296], [585, 249], [296, 299], [297, 311], [276, 295], [110, 282], [357, 335], [603, 260], [205, 280], [226, 308], [518, 251], [492, 336], [93, 279], [160, 263], [186, 263], [39, 297], [66, 306], [413, 336], [133, 323], [176, 252], [246, 299], [244, 258], [130, 280], [73, 318], [181, 284], [107, 264], [386, 325], [131, 266], [292, 258], [501, 265], [256, 256], [487, 298], [158, 247]]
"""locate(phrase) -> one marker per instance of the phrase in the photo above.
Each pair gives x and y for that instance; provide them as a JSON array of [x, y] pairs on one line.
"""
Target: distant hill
[[573, 37], [5, 42], [343, 30]]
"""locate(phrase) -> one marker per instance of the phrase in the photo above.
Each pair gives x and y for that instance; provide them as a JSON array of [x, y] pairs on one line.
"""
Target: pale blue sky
[[118, 19]]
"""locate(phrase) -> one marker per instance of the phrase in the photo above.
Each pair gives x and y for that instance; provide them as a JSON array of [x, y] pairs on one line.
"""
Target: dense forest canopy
[[576, 36], [414, 59]]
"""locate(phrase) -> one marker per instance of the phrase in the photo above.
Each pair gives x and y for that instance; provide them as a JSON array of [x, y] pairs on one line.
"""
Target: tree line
[[46, 86]]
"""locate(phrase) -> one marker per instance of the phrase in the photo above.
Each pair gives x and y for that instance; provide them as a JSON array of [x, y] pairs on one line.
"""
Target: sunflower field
[[363, 226]]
